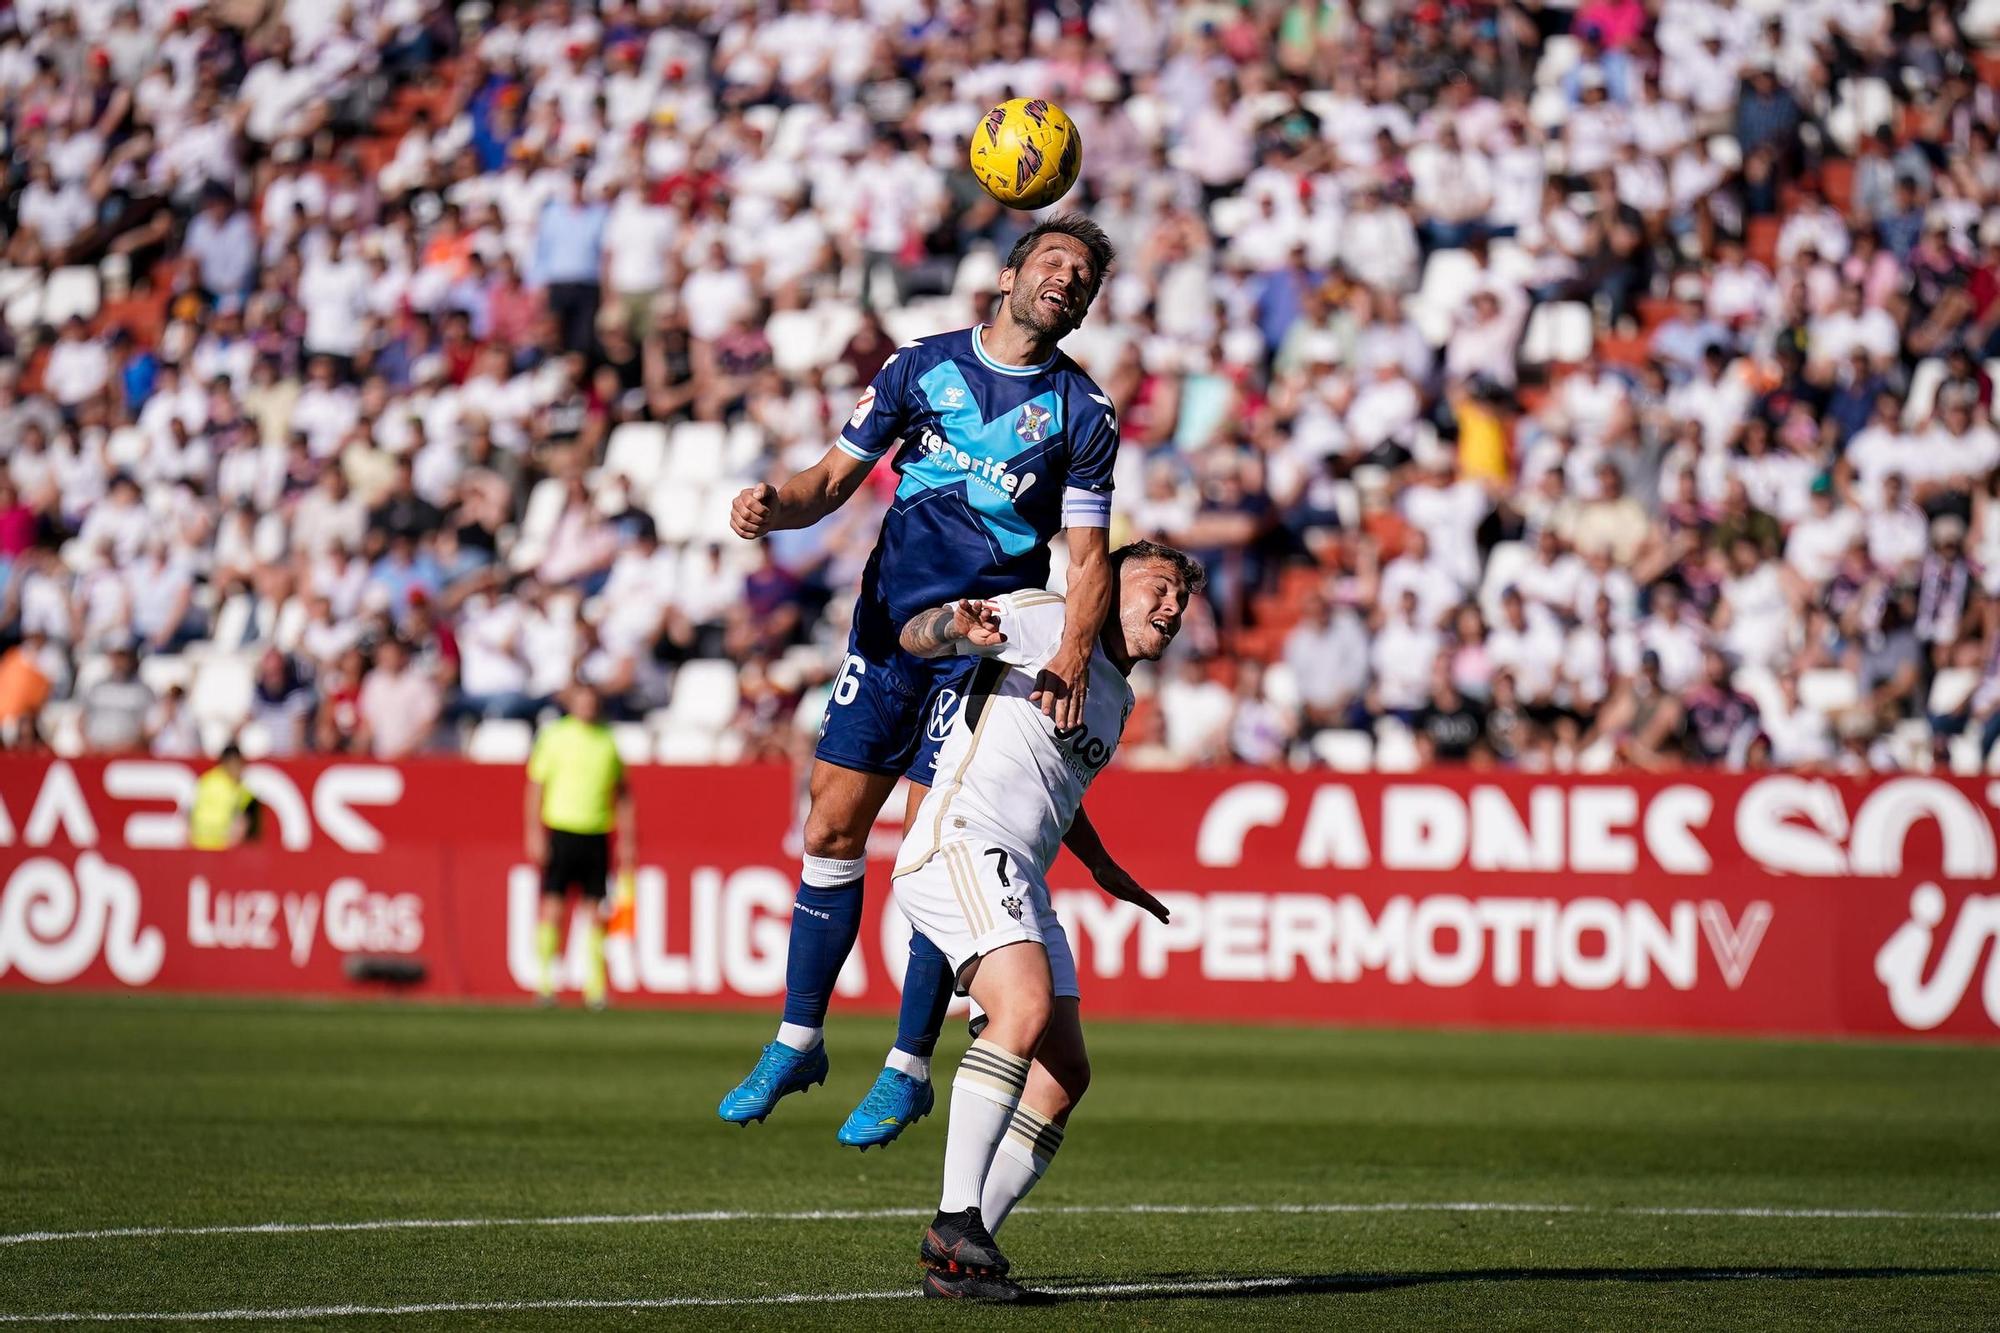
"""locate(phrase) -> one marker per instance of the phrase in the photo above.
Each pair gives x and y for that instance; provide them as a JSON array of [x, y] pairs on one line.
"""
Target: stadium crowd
[[1542, 386]]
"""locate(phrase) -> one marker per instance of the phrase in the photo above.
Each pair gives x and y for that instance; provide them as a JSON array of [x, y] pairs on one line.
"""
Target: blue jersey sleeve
[[883, 412], [1093, 455]]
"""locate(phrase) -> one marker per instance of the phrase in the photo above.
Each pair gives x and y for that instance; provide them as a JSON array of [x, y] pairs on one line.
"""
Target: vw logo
[[943, 708]]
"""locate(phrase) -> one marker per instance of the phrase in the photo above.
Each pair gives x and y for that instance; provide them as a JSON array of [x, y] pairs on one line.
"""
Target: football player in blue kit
[[1000, 442]]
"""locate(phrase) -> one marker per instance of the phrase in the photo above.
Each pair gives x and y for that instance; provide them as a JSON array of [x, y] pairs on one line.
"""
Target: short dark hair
[[1078, 228], [1193, 576]]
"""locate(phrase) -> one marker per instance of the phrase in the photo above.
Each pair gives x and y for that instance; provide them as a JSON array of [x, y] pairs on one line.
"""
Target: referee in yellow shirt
[[576, 794]]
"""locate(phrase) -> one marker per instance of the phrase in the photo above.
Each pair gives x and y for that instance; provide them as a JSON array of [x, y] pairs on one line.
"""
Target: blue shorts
[[890, 714]]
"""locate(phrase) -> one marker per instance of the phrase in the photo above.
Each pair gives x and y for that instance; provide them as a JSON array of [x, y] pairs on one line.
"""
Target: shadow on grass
[[1245, 1286]]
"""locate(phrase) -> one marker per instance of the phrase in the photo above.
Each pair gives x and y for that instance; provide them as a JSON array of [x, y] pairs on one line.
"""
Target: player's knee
[[830, 837]]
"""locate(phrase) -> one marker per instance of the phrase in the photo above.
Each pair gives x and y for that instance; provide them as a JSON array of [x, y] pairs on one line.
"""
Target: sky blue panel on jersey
[[987, 458]]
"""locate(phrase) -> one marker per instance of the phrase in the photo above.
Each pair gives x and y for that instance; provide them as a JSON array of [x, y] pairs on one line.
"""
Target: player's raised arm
[[943, 630], [1061, 687], [873, 428], [802, 501]]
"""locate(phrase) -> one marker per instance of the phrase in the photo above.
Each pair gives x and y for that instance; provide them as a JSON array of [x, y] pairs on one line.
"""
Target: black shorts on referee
[[580, 861]]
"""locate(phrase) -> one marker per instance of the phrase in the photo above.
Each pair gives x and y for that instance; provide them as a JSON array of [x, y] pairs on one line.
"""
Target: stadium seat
[[162, 671], [1560, 55], [697, 453], [1559, 333], [1829, 691], [1726, 152], [704, 694], [1761, 687], [71, 292], [634, 742], [925, 316], [24, 304], [1227, 215], [676, 510], [1910, 743], [978, 272], [538, 522], [1993, 374], [1962, 754], [686, 745], [1979, 20], [1950, 689], [796, 345], [1395, 748], [89, 671], [500, 740], [254, 739], [1548, 108], [1924, 383], [637, 451], [1504, 564], [223, 683], [746, 447], [232, 629], [1345, 751], [1281, 686], [62, 727]]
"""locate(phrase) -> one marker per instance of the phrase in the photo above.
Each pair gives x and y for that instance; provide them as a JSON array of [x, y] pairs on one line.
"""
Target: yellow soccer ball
[[1026, 152]]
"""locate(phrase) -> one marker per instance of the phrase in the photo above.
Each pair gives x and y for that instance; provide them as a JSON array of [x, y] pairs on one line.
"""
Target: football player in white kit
[[972, 875]]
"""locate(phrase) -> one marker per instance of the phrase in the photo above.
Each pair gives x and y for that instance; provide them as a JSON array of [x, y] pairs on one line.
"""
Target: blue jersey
[[994, 460]]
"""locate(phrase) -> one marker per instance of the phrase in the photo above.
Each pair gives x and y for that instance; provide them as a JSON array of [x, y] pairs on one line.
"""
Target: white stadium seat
[[1345, 751], [223, 684], [697, 452], [637, 451], [1395, 748], [500, 740], [1925, 381], [1829, 691], [71, 293], [1558, 333], [634, 742], [687, 745], [705, 694]]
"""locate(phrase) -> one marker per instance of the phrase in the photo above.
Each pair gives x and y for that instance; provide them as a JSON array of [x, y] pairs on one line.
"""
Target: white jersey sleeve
[[1032, 620]]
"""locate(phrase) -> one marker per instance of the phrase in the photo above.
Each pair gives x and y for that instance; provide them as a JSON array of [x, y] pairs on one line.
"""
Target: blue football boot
[[896, 1102], [780, 1071]]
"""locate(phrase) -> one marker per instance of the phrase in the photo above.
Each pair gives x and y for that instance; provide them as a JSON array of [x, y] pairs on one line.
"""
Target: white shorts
[[969, 899]]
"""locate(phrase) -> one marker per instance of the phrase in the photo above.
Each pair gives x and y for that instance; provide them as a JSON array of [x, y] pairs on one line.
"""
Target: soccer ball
[[1026, 152]]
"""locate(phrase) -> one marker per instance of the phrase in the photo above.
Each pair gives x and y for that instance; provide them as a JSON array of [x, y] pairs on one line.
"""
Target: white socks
[[984, 1094], [1022, 1159], [798, 1036], [917, 1067]]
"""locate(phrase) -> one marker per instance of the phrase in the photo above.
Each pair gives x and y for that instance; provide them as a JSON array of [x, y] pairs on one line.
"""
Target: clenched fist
[[750, 515]]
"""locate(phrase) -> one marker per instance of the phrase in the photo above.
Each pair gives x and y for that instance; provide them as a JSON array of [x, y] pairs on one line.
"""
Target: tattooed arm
[[939, 631]]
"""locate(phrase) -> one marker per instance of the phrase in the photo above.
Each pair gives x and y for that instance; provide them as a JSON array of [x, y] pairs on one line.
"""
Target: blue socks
[[826, 917], [927, 991]]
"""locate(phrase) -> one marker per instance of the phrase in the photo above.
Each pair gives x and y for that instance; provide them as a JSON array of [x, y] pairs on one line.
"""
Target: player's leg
[[556, 880], [548, 943], [1056, 1083], [927, 986], [593, 880], [902, 1093], [826, 917], [1012, 984]]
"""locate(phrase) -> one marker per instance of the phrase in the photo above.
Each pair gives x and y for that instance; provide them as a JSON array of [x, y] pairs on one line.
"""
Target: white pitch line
[[883, 1214], [1202, 1286]]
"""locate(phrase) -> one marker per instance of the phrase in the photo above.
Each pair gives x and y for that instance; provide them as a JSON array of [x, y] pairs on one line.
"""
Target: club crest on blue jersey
[[1033, 423]]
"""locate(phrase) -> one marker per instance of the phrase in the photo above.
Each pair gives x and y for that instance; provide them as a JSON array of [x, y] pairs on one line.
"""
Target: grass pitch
[[123, 1112]]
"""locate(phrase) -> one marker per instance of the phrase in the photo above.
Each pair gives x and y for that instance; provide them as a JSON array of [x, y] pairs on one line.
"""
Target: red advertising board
[[1766, 903]]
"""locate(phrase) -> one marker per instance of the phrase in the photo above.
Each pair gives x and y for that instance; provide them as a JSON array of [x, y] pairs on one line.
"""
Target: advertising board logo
[[54, 925], [1900, 963]]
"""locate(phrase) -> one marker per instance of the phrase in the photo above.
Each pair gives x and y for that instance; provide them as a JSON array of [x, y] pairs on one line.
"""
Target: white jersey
[[1006, 776]]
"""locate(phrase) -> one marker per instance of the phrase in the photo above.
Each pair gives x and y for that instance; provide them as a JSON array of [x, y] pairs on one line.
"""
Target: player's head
[[231, 761], [1054, 272], [1153, 584], [583, 702]]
